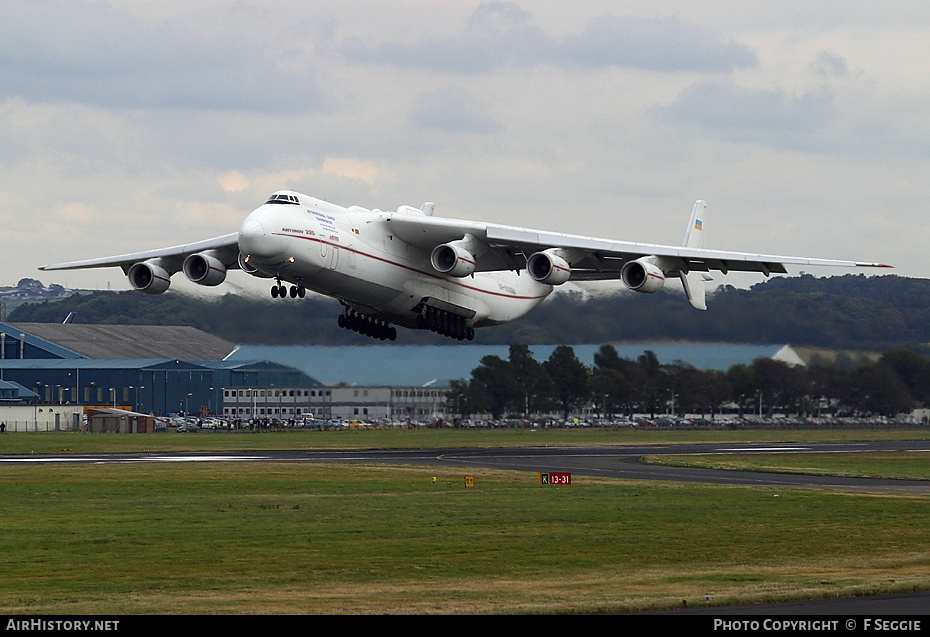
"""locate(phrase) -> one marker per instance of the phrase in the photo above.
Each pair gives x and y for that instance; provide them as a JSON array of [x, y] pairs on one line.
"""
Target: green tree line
[[845, 312], [520, 386]]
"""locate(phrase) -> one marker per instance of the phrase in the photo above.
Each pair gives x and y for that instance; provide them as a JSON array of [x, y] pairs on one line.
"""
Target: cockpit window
[[282, 198]]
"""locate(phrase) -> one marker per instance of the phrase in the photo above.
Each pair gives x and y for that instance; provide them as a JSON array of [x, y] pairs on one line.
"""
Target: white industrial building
[[334, 403]]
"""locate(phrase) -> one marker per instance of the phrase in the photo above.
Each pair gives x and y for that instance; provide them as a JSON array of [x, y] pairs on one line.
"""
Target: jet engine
[[204, 269], [452, 259], [642, 276], [149, 277], [548, 267]]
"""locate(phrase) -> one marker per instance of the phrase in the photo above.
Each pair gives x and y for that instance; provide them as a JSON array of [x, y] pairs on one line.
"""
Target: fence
[[37, 425]]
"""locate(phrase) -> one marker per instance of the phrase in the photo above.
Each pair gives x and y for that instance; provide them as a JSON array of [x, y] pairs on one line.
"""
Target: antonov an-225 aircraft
[[412, 269]]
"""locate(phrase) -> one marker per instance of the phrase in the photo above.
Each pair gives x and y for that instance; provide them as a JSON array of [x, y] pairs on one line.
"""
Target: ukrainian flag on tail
[[693, 282]]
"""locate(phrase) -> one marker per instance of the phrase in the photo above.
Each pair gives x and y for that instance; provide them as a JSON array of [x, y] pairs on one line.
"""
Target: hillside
[[847, 312]]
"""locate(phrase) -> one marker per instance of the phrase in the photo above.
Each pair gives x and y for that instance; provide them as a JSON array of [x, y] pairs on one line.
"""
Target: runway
[[603, 461]]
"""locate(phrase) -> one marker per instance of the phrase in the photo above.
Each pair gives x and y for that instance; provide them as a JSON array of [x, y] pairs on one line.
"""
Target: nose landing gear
[[279, 290]]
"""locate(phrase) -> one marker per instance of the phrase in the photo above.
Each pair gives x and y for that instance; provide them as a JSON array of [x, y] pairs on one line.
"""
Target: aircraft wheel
[[341, 321], [301, 291], [274, 291], [392, 333], [293, 291]]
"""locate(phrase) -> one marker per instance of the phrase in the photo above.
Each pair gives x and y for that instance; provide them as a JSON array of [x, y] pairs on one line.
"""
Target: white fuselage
[[351, 254]]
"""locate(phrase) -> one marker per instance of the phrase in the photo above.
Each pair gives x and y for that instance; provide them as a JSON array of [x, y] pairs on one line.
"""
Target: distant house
[[109, 420]]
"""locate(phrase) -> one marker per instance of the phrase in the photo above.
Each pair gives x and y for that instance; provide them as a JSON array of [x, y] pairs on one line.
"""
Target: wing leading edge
[[591, 258], [172, 259]]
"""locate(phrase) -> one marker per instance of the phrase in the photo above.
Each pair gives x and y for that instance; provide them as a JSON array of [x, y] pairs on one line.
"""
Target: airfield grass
[[217, 538], [902, 466], [221, 538]]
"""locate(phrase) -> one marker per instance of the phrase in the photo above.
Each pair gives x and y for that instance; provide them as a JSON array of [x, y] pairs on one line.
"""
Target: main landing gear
[[279, 290], [445, 323], [363, 324]]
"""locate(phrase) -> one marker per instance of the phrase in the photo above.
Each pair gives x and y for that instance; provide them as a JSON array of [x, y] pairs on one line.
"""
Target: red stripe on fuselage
[[410, 268]]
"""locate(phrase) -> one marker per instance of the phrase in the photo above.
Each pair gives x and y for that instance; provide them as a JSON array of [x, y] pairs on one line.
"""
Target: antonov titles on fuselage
[[413, 269]]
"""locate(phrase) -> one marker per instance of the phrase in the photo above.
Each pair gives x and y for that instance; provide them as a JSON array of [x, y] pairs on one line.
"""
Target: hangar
[[153, 369]]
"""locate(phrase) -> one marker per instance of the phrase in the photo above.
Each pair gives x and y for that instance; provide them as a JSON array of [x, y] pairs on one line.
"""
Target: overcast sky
[[129, 124]]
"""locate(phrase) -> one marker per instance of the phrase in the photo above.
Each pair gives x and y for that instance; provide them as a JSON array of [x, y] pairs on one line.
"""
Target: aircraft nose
[[253, 238], [252, 227]]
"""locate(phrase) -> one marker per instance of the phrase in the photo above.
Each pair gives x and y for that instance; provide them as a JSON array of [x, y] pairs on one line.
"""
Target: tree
[[649, 363], [30, 284], [827, 386], [569, 378], [913, 370], [685, 384], [606, 357], [531, 378], [607, 386], [493, 388], [460, 398], [717, 391], [616, 382], [877, 389], [782, 385]]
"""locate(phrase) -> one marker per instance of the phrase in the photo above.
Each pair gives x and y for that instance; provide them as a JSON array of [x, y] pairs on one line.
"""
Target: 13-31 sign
[[555, 477]]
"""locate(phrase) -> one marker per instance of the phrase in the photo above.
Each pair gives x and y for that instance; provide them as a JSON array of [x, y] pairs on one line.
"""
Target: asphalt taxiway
[[604, 461]]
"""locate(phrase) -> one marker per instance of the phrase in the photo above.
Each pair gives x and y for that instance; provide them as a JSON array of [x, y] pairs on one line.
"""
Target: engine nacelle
[[149, 277], [642, 276], [250, 269], [204, 269], [549, 268], [452, 259]]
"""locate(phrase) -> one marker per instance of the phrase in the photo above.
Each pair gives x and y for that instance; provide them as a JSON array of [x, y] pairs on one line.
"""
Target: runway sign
[[559, 477]]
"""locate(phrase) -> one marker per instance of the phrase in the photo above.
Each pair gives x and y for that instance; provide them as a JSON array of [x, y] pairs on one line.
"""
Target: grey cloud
[[501, 35], [91, 53], [663, 45], [452, 110], [497, 35], [829, 64], [725, 106]]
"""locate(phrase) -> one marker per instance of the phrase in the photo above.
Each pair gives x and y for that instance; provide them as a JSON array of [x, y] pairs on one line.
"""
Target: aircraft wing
[[591, 258], [225, 248]]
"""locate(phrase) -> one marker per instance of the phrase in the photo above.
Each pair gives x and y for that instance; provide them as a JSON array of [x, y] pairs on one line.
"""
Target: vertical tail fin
[[693, 282], [694, 234]]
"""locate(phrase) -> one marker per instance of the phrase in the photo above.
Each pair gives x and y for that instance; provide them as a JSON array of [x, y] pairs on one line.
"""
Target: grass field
[[902, 466], [299, 538]]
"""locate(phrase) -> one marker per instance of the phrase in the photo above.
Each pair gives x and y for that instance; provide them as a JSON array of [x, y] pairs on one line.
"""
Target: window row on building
[[335, 403]]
